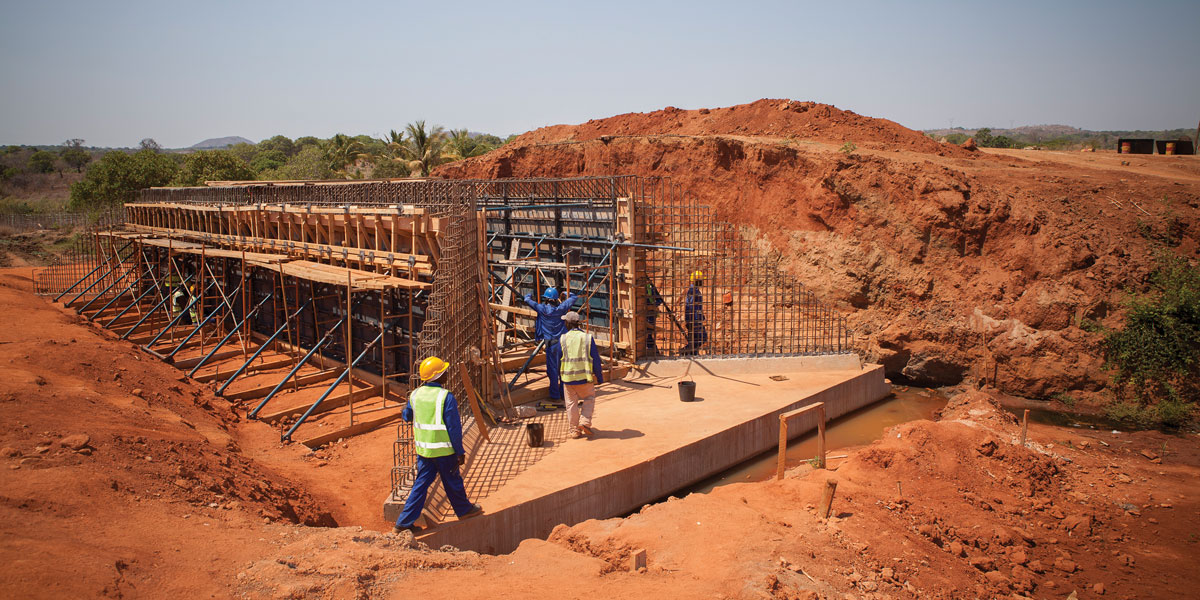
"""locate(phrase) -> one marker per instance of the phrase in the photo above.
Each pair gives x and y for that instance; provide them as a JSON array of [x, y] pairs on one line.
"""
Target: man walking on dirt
[[581, 373], [549, 327], [437, 437]]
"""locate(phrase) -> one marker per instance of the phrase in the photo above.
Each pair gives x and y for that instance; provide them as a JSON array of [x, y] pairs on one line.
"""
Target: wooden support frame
[[819, 408]]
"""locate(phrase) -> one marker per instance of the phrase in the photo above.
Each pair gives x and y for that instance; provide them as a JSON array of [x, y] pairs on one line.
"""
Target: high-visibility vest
[[576, 357], [429, 429]]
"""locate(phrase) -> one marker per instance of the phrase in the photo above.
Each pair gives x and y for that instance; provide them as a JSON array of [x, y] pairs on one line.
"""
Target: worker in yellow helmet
[[437, 435], [693, 315]]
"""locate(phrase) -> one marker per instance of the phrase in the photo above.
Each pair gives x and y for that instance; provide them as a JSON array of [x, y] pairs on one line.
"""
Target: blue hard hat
[[550, 293]]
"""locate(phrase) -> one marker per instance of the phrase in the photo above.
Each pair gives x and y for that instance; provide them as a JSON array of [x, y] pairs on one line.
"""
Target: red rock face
[[953, 265]]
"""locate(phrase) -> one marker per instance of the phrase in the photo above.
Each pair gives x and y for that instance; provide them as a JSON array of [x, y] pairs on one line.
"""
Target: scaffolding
[[313, 302]]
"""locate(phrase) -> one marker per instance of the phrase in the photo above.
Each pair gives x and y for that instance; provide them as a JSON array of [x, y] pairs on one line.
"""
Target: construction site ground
[[123, 479], [647, 445]]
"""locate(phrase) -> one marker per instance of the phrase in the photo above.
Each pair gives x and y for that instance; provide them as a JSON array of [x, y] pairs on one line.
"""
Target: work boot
[[475, 511], [414, 529], [587, 431], [576, 434]]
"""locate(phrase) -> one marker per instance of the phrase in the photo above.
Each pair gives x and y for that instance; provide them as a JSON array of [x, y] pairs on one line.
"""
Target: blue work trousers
[[428, 469], [553, 364]]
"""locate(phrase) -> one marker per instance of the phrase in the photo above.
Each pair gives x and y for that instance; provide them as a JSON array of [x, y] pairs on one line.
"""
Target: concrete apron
[[650, 444]]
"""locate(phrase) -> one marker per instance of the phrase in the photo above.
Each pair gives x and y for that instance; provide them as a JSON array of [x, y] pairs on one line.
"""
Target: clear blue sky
[[115, 72]]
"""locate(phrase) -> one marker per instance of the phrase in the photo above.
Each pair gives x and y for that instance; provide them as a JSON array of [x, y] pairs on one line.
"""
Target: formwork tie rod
[[589, 241], [536, 206], [311, 353], [196, 330], [160, 304], [179, 316], [288, 436], [128, 288], [541, 344], [232, 330], [90, 273], [263, 347]]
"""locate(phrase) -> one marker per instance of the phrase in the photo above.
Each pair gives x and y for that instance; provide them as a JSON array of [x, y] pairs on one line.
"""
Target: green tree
[[74, 155], [309, 163], [213, 165], [386, 168], [117, 177], [41, 161], [304, 142], [1156, 354], [149, 144], [423, 147], [344, 152], [280, 143], [462, 145], [267, 160]]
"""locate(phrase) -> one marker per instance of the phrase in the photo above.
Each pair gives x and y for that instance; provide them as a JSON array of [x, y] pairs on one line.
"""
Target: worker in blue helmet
[[550, 327]]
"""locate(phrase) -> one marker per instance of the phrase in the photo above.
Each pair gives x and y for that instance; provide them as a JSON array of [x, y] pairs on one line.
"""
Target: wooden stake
[[1024, 427], [821, 436], [783, 438], [473, 399], [827, 498], [637, 560], [899, 491]]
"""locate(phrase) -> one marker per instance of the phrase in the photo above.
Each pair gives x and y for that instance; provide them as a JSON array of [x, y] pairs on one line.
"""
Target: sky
[[115, 72]]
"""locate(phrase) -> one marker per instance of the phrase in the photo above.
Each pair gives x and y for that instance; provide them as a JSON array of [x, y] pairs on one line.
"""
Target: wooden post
[[1024, 427], [637, 560], [821, 436], [827, 498], [899, 491], [783, 439], [473, 400]]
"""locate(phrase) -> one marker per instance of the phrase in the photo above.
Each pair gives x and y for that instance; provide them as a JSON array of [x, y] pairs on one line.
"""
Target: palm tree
[[423, 148], [343, 151], [463, 145]]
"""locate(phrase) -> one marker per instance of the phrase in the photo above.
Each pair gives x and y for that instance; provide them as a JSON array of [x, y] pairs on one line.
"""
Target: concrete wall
[[628, 490]]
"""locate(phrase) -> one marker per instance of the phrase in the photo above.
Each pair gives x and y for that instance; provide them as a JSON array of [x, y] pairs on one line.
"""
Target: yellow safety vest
[[429, 429], [576, 357]]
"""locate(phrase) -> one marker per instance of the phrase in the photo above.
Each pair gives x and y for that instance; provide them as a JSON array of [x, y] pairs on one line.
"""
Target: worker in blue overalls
[[693, 316], [550, 327], [437, 439]]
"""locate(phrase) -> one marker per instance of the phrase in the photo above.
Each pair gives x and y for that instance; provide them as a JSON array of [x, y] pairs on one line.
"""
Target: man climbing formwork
[[549, 328], [437, 437], [693, 315], [180, 300]]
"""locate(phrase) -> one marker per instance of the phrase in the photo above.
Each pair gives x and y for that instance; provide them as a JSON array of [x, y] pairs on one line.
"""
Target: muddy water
[[858, 428]]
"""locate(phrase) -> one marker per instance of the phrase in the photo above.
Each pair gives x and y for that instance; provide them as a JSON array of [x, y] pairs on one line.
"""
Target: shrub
[[1155, 355]]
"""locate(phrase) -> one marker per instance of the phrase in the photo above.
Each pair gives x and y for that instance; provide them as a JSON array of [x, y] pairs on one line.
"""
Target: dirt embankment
[[120, 479], [953, 265]]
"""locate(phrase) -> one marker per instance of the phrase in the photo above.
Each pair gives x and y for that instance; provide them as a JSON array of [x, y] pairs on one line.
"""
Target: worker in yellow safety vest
[[437, 437], [581, 371]]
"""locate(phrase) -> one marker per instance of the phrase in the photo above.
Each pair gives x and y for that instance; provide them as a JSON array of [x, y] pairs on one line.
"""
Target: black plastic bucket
[[536, 434], [687, 391]]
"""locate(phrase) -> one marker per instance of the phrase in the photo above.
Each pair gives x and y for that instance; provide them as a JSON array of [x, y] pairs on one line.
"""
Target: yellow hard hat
[[432, 367], [698, 276]]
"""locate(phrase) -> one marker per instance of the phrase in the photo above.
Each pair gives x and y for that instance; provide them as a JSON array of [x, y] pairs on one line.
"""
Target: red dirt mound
[[764, 118], [972, 265]]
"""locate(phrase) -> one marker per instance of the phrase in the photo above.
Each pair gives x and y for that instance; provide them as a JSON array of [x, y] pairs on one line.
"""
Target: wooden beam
[[259, 392], [387, 416]]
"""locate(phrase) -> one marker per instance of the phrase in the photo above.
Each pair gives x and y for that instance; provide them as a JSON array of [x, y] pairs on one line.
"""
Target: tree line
[[118, 175]]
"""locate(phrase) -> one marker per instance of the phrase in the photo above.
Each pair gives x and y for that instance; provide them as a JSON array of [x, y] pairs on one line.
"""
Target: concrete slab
[[649, 444]]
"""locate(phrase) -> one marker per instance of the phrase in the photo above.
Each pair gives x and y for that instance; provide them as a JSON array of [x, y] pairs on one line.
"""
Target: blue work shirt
[[549, 321], [693, 307], [449, 417], [597, 366]]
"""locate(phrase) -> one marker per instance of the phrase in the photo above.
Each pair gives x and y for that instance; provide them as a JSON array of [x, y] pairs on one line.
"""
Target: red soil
[[947, 261], [173, 495], [764, 118]]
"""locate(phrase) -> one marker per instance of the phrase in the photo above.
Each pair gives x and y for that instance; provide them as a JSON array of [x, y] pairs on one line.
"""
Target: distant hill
[[221, 142]]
